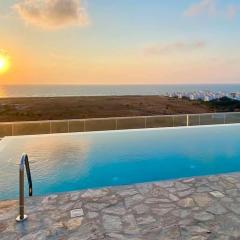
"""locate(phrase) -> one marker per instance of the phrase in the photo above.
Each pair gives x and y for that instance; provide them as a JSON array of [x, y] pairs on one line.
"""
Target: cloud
[[160, 49], [232, 11], [202, 7], [52, 14]]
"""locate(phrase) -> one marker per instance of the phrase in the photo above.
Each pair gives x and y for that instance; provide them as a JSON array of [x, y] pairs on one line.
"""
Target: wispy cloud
[[202, 7], [52, 14], [212, 8], [160, 49], [232, 11]]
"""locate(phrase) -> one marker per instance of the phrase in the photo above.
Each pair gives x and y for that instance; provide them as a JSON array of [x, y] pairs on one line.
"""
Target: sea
[[9, 91]]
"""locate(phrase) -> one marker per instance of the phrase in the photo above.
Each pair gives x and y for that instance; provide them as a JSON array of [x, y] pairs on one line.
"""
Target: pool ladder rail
[[23, 162]]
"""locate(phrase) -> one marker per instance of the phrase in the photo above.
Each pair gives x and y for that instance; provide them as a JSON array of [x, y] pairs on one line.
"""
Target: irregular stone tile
[[131, 227], [182, 213], [112, 223], [87, 231], [74, 223], [145, 220], [92, 215], [77, 204], [187, 221], [217, 209], [115, 210], [3, 226], [173, 197], [75, 196], [217, 194], [8, 204], [194, 230], [203, 216], [170, 220], [141, 208], [57, 230], [171, 190], [133, 200], [145, 188], [213, 178], [186, 203], [229, 225], [214, 186], [128, 192], [203, 189], [152, 200], [165, 184], [76, 213], [118, 236], [181, 186], [110, 199], [202, 199], [161, 211], [225, 184], [198, 238], [67, 206], [185, 193], [172, 233], [96, 206], [10, 236], [234, 207], [165, 205], [233, 192], [49, 199], [164, 200], [95, 193], [160, 192], [231, 179], [39, 235], [226, 200], [188, 180]]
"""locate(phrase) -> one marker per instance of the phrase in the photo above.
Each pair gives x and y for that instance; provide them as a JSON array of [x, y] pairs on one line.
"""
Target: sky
[[120, 41]]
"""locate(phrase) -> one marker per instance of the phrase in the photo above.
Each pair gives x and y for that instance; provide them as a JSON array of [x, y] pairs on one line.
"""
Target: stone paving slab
[[187, 209]]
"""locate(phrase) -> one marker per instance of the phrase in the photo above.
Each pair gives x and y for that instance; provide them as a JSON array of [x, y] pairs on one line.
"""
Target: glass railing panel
[[76, 125], [100, 124], [31, 128], [131, 123], [193, 120], [232, 117], [159, 121], [209, 119], [59, 126], [5, 129], [179, 120]]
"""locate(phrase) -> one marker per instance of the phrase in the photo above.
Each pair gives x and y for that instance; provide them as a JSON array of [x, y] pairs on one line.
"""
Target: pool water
[[66, 162]]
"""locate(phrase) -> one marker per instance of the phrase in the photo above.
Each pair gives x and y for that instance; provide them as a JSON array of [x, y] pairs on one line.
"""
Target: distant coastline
[[109, 90]]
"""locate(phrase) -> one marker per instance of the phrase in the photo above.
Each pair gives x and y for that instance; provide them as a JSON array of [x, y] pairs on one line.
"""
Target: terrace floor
[[197, 209]]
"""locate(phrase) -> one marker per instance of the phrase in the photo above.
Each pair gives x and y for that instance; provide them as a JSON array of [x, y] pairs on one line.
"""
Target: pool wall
[[117, 123]]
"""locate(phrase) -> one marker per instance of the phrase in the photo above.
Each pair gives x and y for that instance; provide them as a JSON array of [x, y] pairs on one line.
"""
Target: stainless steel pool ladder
[[23, 161]]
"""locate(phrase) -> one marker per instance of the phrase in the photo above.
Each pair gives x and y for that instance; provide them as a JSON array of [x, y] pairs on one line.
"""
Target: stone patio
[[197, 209]]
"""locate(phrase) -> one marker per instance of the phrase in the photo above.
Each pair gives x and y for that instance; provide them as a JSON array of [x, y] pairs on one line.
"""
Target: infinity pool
[[66, 162]]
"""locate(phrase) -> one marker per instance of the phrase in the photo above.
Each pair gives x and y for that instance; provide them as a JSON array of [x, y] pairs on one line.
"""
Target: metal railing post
[[23, 161]]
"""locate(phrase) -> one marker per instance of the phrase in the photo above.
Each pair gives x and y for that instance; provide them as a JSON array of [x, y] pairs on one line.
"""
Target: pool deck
[[197, 209]]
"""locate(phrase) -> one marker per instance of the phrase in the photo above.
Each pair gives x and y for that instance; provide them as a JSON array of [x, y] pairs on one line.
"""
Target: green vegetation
[[224, 104]]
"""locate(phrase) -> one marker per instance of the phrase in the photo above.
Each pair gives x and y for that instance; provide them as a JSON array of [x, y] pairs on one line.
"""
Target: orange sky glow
[[134, 47]]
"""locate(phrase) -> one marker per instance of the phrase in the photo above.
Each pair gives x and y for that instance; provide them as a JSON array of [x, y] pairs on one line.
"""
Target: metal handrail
[[23, 161]]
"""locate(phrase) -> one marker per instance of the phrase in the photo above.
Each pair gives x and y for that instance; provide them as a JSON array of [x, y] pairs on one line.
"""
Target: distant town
[[205, 96]]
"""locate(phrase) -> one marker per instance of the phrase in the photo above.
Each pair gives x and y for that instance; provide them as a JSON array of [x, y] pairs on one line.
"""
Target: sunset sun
[[4, 64]]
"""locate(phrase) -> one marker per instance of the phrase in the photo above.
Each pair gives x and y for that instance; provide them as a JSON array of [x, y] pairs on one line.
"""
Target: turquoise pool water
[[67, 162]]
